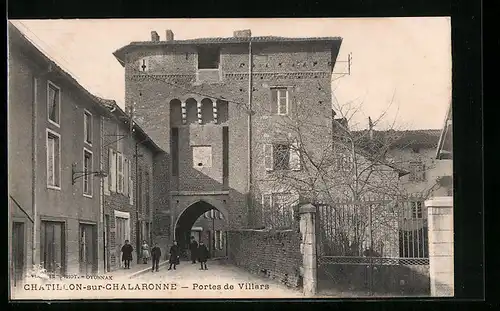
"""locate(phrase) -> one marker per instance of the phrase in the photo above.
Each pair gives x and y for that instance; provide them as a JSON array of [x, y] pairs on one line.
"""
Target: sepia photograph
[[230, 158]]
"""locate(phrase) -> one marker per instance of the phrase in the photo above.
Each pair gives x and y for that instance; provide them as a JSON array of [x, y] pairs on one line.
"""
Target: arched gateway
[[193, 214]]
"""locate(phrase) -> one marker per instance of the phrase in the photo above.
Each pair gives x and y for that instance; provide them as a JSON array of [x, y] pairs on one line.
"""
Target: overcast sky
[[404, 59]]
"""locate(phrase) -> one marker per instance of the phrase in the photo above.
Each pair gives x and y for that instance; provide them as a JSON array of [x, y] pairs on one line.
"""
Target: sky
[[400, 69]]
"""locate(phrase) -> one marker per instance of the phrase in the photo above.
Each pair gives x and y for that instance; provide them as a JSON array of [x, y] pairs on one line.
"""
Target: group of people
[[198, 252]]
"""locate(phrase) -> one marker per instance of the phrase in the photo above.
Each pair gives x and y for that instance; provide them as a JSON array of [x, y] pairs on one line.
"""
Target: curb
[[135, 274]]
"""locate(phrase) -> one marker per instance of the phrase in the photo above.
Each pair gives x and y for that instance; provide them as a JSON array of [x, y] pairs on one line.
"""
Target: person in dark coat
[[155, 257], [203, 255], [127, 250], [174, 255], [193, 248]]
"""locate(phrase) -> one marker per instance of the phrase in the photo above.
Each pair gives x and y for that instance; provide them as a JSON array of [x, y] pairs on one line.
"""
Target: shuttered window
[[112, 170], [295, 162], [268, 157]]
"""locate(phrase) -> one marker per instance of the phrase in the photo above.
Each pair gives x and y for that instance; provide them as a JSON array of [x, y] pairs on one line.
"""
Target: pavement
[[220, 281]]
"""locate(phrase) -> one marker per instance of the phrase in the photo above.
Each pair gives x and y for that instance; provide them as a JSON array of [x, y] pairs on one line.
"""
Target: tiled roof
[[102, 103], [424, 138], [214, 40], [120, 53]]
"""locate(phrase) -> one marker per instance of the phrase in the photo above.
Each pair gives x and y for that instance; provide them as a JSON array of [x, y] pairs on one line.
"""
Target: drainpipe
[[101, 194], [250, 89], [34, 164]]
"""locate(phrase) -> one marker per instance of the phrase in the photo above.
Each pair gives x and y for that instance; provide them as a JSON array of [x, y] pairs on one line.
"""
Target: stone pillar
[[308, 248], [184, 112], [440, 220], [214, 110]]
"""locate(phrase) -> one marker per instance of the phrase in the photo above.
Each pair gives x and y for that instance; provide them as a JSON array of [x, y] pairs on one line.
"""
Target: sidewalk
[[135, 270]]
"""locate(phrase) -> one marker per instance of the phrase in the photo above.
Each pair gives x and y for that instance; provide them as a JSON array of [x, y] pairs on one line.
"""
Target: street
[[187, 281]]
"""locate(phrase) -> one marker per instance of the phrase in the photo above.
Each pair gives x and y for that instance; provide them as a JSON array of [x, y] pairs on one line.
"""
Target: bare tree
[[321, 160]]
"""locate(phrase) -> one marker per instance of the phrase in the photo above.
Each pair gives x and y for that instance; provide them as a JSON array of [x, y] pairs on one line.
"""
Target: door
[[88, 249], [121, 236], [17, 252], [106, 243], [52, 247]]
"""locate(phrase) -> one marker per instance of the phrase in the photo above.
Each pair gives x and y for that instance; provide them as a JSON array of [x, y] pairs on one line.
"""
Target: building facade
[[54, 148], [71, 205], [215, 105], [127, 157]]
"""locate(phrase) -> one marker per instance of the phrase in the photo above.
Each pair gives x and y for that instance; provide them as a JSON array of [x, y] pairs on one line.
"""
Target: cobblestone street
[[187, 281]]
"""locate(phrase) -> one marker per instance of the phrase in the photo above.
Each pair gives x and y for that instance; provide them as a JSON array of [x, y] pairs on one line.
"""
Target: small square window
[[208, 57]]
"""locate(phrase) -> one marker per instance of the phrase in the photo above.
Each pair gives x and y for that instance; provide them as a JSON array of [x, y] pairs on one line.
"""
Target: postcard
[[230, 158]]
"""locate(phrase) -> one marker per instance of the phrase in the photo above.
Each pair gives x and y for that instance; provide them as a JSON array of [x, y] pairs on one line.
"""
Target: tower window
[[208, 57]]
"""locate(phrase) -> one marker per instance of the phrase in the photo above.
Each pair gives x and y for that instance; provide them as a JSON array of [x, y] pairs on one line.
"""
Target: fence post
[[308, 248], [440, 222]]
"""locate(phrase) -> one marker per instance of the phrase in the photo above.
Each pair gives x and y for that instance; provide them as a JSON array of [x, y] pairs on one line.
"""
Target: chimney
[[246, 33], [169, 35], [154, 36]]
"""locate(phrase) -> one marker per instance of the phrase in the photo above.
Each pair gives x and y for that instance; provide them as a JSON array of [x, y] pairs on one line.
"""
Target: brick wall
[[272, 254], [172, 74]]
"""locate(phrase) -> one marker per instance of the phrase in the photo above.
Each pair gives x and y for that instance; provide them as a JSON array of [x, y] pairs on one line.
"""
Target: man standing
[[127, 250], [174, 255], [155, 257], [193, 247], [203, 255]]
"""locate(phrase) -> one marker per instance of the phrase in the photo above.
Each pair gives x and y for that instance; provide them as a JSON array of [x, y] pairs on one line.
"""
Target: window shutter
[[423, 172], [130, 186], [119, 160], [131, 193], [126, 176], [112, 170], [106, 185], [268, 157], [274, 101], [294, 161]]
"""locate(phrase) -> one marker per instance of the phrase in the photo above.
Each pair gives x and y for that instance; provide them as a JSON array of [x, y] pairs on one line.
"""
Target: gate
[[373, 247]]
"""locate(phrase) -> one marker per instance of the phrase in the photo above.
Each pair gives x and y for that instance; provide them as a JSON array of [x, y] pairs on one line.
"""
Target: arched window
[[207, 114], [175, 112], [191, 110]]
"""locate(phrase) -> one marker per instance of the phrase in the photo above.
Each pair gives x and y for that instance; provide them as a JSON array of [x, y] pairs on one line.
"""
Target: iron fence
[[373, 245]]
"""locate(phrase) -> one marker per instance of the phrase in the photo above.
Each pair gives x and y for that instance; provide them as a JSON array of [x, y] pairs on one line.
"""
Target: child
[[145, 252]]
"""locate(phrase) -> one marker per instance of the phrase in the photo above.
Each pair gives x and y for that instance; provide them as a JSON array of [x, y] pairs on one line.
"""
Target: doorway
[[52, 246], [88, 249], [17, 252]]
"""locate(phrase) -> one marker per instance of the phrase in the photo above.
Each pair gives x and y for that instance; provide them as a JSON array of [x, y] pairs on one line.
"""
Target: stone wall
[[272, 254]]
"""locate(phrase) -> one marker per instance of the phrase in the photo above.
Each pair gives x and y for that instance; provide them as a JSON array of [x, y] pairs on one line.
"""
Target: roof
[[444, 147], [423, 138], [102, 104], [120, 53]]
